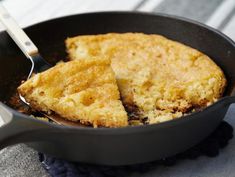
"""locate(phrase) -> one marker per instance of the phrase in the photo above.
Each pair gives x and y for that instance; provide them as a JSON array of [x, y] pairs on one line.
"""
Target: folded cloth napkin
[[208, 147]]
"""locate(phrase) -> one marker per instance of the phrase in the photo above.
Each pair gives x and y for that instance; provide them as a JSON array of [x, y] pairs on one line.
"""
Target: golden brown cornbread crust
[[164, 79], [80, 90]]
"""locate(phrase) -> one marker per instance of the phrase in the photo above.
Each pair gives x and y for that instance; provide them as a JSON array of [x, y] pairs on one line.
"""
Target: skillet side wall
[[127, 147]]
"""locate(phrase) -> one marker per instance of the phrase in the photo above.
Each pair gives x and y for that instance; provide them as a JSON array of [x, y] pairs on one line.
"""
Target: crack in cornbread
[[162, 78], [79, 90]]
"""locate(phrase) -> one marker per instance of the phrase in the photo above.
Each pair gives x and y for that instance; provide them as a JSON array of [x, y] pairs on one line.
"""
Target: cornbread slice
[[159, 79], [80, 90]]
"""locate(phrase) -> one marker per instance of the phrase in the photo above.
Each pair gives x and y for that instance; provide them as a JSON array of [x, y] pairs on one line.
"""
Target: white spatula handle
[[17, 34]]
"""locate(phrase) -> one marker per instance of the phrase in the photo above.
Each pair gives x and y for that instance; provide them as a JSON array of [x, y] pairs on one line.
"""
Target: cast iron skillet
[[111, 146]]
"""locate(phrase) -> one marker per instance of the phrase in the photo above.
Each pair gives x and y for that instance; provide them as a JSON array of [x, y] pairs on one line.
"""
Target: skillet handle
[[15, 128]]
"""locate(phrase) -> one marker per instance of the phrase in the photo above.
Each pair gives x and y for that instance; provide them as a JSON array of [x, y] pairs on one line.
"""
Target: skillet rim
[[137, 128], [175, 17]]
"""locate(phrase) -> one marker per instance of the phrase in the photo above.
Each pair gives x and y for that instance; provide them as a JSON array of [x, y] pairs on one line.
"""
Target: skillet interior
[[49, 37]]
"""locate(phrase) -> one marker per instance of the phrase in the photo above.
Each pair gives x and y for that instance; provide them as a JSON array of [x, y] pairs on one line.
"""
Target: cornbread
[[79, 90], [159, 79]]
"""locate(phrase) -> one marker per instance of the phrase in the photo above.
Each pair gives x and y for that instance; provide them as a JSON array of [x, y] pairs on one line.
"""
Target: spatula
[[31, 52]]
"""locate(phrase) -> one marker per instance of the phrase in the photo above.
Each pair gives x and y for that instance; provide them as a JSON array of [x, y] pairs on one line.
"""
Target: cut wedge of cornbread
[[79, 90], [159, 79]]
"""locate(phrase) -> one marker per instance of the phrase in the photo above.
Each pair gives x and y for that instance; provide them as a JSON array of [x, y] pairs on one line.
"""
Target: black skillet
[[111, 146]]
